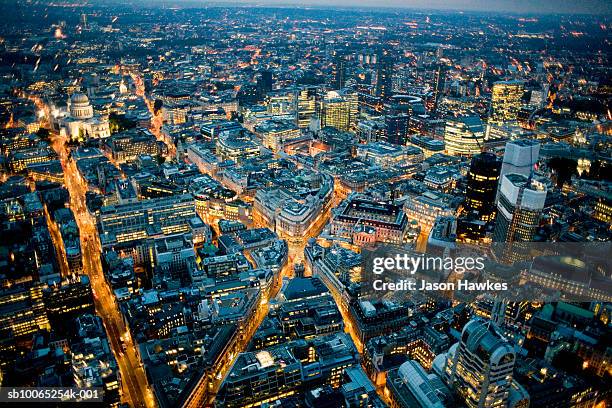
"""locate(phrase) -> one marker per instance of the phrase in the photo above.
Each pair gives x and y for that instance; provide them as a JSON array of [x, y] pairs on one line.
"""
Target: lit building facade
[[519, 209], [79, 120], [464, 136], [236, 147], [340, 110], [482, 181], [306, 106], [506, 101], [480, 366], [128, 222]]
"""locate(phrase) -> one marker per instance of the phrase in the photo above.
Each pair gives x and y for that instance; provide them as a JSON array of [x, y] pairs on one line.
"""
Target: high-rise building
[[339, 72], [397, 128], [265, 82], [482, 181], [464, 136], [506, 101], [438, 85], [520, 156], [519, 208], [384, 73], [306, 106], [340, 110], [480, 366]]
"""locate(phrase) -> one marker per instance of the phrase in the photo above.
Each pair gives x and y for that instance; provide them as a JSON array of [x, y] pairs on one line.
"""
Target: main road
[[135, 389]]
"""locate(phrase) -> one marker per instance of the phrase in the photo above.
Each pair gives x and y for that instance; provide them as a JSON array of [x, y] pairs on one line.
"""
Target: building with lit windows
[[371, 131], [384, 74], [22, 311], [339, 71], [274, 133], [415, 341], [203, 158], [373, 318], [69, 232], [20, 160], [340, 109], [506, 101], [291, 212], [439, 83], [92, 361], [482, 181], [127, 146], [268, 375], [388, 221], [520, 205], [464, 136], [570, 276], [306, 106], [129, 222], [480, 366], [603, 211], [426, 208], [236, 147], [397, 128], [68, 299], [174, 257], [428, 145], [385, 154]]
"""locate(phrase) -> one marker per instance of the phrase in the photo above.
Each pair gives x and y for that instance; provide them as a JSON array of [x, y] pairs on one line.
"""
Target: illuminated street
[[135, 388]]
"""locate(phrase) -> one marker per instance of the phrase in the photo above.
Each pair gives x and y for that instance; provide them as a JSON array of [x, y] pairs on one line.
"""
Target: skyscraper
[[438, 85], [265, 82], [339, 72], [397, 128], [519, 208], [506, 101], [339, 110], [480, 366], [520, 157], [306, 106], [482, 181], [384, 73], [464, 136]]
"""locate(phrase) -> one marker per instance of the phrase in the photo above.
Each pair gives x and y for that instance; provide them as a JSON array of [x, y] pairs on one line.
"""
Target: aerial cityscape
[[206, 205]]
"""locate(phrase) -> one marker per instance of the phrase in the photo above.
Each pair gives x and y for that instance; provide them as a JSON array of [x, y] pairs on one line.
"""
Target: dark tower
[[482, 181], [397, 128], [438, 85], [384, 73], [265, 82], [339, 72]]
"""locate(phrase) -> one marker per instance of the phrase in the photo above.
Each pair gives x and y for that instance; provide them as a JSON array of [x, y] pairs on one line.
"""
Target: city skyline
[[596, 7], [340, 206]]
